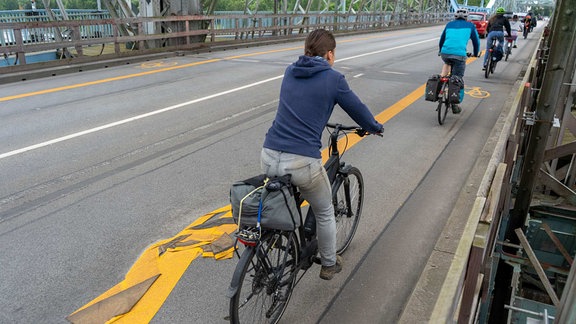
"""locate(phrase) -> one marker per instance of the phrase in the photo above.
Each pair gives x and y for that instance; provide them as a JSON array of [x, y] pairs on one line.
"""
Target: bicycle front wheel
[[264, 279], [348, 198]]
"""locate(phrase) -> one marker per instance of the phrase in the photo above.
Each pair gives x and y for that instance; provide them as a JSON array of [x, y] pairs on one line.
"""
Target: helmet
[[500, 10], [461, 13]]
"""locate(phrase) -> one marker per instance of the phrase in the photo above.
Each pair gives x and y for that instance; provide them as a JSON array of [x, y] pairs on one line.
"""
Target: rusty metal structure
[[168, 25]]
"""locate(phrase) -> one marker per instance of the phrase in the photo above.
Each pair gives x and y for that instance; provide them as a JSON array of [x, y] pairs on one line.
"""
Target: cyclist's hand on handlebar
[[362, 132]]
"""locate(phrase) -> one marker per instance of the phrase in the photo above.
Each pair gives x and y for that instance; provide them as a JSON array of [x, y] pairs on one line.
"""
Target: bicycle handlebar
[[357, 129]]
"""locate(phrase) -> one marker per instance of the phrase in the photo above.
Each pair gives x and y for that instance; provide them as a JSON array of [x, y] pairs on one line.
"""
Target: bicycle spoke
[[265, 278], [348, 208]]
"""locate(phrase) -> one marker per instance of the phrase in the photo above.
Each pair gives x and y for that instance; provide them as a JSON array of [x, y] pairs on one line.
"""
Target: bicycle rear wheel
[[492, 66], [488, 65], [443, 104], [508, 50], [348, 198], [264, 279]]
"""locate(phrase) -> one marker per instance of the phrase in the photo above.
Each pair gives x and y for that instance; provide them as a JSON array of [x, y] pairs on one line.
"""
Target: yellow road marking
[[476, 92], [157, 64], [165, 69]]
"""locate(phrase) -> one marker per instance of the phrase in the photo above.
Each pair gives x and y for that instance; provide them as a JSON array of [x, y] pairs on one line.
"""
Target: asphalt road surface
[[97, 167]]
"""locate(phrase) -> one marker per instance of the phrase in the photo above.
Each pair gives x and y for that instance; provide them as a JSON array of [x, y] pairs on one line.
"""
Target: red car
[[480, 21]]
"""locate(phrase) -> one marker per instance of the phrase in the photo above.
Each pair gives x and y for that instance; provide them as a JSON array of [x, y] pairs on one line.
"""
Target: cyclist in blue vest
[[453, 43], [310, 90], [496, 25]]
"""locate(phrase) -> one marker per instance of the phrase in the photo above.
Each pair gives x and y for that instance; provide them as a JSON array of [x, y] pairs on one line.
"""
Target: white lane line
[[131, 119], [387, 49], [152, 113], [392, 72]]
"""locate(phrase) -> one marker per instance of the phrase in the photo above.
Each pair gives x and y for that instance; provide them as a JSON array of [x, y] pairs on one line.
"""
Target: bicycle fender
[[246, 256]]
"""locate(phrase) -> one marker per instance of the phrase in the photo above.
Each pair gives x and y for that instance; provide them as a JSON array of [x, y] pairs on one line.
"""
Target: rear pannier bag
[[432, 88], [265, 202], [455, 85]]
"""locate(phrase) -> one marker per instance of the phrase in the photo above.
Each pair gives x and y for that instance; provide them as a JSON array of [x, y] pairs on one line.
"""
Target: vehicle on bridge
[[479, 20]]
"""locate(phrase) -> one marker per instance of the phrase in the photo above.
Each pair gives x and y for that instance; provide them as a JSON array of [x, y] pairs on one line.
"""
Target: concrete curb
[[437, 292]]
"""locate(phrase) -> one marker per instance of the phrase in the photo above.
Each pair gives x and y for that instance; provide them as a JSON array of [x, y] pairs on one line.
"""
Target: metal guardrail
[[149, 34]]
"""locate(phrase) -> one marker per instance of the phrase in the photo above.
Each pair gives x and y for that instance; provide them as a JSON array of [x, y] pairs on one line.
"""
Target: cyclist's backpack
[[432, 88], [455, 85], [265, 202]]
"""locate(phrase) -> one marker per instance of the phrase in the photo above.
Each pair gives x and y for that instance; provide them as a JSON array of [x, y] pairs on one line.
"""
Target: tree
[[10, 5]]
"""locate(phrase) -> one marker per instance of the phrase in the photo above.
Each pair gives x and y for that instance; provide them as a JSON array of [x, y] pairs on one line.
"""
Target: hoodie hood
[[307, 66]]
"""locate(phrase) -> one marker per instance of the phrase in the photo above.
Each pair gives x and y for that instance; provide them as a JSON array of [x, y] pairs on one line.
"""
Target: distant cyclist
[[496, 25], [515, 27], [453, 42]]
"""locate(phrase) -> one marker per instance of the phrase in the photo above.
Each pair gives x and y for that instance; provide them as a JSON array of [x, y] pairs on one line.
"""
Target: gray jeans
[[309, 175]]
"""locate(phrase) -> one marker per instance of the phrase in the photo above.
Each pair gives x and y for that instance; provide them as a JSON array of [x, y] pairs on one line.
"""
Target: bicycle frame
[[333, 168]]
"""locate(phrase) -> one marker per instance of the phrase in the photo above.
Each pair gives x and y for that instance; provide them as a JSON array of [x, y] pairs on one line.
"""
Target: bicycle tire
[[493, 66], [264, 279], [443, 101], [352, 183], [488, 65], [508, 52]]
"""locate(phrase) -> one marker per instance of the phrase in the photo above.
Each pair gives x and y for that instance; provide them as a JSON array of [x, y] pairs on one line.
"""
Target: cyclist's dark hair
[[319, 42]]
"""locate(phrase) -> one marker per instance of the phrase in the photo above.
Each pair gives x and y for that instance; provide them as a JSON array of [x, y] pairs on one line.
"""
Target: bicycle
[[491, 61], [508, 51], [268, 269], [527, 29], [443, 99]]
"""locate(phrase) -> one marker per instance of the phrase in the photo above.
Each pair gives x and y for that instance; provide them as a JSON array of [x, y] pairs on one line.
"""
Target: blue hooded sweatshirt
[[455, 38], [310, 90]]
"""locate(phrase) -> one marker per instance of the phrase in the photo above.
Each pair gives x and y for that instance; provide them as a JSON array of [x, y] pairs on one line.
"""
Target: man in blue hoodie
[[310, 90], [453, 43]]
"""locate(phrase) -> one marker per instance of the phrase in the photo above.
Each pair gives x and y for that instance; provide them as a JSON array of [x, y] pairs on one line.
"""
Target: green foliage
[[9, 5]]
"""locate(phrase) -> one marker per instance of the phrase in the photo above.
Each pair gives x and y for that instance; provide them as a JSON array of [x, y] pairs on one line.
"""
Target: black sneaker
[[514, 46], [327, 273], [456, 109]]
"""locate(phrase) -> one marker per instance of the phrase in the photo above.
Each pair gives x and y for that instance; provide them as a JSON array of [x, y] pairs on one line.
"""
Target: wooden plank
[[493, 199], [536, 264], [557, 242]]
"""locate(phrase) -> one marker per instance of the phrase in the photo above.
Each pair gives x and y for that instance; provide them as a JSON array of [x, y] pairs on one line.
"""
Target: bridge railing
[[71, 38]]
